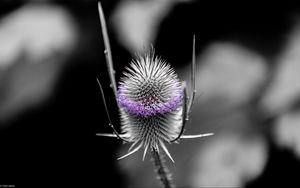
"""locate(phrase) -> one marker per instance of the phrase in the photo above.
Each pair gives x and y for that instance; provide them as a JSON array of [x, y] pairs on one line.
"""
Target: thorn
[[107, 50], [106, 135], [133, 151], [197, 135], [130, 148], [166, 151], [145, 151]]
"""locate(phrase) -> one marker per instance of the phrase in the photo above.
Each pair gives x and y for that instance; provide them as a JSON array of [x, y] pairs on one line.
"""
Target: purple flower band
[[138, 108]]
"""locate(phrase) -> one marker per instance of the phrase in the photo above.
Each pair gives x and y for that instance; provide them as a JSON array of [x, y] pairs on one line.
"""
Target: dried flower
[[150, 100]]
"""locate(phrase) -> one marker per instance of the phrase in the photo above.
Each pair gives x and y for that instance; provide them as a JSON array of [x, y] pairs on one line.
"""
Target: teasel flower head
[[150, 97]]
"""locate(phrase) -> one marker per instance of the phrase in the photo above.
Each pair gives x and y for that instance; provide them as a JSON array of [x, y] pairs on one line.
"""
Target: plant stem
[[161, 169]]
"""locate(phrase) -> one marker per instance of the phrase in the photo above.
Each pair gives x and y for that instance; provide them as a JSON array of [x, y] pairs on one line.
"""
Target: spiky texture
[[150, 87], [150, 99]]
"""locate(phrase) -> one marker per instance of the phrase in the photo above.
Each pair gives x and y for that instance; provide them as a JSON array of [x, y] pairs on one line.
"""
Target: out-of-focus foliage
[[284, 91], [50, 107], [229, 72], [228, 161], [137, 22], [35, 41], [287, 131]]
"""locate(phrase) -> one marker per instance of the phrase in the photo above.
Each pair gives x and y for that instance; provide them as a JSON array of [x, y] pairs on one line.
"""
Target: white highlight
[[106, 135], [166, 150], [133, 151], [145, 151], [287, 131], [197, 135]]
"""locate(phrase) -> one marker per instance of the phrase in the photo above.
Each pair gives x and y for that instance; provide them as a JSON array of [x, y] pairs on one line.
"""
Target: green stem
[[161, 169]]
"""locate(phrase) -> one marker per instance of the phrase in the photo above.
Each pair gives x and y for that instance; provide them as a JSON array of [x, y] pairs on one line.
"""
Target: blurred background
[[248, 91]]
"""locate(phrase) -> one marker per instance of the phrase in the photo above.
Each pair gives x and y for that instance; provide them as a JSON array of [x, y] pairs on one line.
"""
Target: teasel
[[153, 104]]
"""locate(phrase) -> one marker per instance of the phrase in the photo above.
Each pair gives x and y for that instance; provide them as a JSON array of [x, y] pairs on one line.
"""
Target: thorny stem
[[161, 169], [107, 50]]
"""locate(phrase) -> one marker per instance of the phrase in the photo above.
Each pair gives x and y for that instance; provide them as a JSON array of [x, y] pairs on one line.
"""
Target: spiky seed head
[[149, 87], [150, 100]]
